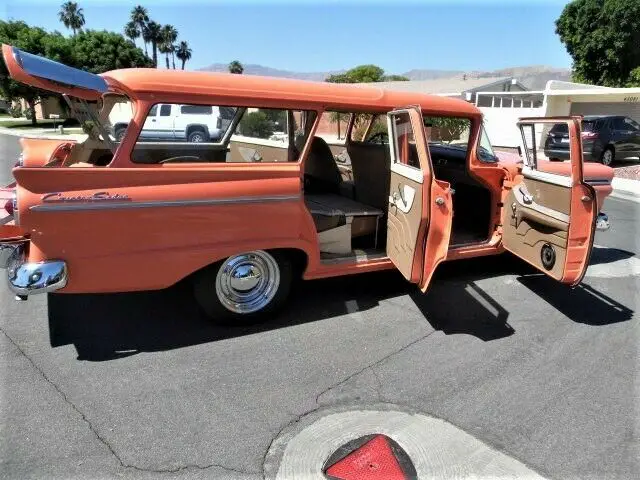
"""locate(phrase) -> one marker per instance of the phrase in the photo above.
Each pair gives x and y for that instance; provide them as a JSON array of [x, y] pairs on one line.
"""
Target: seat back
[[320, 169], [371, 167]]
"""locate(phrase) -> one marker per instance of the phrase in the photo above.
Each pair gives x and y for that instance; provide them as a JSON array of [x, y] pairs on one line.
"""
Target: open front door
[[550, 213], [420, 207]]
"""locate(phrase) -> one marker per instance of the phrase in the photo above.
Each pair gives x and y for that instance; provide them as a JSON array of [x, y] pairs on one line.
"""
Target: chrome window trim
[[69, 207]]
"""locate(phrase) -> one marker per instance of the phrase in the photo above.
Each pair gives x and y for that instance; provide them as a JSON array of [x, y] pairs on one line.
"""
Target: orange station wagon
[[234, 183]]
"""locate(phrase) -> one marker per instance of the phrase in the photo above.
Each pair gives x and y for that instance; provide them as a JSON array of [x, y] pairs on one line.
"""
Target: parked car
[[193, 123], [241, 216], [605, 139]]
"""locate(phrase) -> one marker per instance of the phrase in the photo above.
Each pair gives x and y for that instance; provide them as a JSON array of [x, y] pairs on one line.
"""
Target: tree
[[37, 41], [395, 78], [603, 39], [71, 16], [634, 78], [140, 17], [169, 35], [236, 67], [183, 53], [359, 74], [101, 51], [154, 35], [256, 124], [131, 31]]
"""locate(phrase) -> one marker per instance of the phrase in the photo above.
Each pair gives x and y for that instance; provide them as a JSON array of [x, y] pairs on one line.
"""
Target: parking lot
[[143, 386]]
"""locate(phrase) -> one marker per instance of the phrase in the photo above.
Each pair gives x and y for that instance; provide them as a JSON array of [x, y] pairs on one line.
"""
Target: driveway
[[142, 386]]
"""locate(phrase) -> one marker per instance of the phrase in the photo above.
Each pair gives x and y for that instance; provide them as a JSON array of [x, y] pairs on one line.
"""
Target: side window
[[371, 129], [545, 143], [333, 127], [222, 134], [632, 124], [404, 144], [619, 124]]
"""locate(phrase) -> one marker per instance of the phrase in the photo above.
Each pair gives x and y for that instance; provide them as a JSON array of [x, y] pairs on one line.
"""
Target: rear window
[[196, 109], [560, 128], [589, 125]]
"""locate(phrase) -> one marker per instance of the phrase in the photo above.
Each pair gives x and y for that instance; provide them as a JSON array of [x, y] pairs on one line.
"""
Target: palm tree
[[140, 17], [154, 34], [131, 31], [183, 53], [71, 16], [169, 36], [236, 67]]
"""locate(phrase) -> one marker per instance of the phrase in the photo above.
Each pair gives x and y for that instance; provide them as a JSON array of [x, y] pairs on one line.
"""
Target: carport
[[590, 101]]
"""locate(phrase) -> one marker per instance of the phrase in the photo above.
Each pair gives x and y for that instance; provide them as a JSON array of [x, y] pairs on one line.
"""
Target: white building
[[504, 100]]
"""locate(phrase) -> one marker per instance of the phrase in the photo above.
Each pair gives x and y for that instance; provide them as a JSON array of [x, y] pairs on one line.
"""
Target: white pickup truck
[[193, 123]]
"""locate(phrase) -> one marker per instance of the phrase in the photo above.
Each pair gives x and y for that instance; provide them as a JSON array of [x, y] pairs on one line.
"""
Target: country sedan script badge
[[57, 197]]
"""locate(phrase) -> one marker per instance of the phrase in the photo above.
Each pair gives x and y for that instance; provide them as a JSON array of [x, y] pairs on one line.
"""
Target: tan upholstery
[[371, 168], [320, 169]]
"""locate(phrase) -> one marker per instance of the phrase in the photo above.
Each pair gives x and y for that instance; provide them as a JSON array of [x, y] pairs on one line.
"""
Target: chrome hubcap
[[248, 282], [607, 157], [197, 138]]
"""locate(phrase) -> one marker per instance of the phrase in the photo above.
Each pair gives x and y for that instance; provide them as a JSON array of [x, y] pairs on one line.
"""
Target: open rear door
[[550, 213], [420, 207]]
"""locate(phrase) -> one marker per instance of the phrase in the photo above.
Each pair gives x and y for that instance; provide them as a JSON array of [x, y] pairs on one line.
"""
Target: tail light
[[8, 206], [590, 135]]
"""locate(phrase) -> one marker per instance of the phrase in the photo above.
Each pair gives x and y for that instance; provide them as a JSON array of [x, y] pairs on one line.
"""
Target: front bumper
[[27, 278]]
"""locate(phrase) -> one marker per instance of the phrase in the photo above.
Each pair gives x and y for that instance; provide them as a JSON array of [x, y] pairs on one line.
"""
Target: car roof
[[195, 87], [601, 117]]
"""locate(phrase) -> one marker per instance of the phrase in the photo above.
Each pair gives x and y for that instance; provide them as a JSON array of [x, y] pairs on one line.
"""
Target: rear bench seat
[[329, 209]]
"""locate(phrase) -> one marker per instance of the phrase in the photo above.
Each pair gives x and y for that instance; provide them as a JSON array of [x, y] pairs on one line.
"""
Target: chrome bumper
[[602, 222], [31, 278]]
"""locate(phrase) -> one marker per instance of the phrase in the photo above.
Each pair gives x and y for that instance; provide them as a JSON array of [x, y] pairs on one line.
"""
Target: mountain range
[[533, 77]]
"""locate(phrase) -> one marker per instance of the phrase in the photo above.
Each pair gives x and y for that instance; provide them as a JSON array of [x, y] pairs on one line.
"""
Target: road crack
[[372, 368], [103, 440]]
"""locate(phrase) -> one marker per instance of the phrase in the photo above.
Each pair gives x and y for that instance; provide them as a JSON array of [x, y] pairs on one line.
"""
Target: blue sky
[[333, 35]]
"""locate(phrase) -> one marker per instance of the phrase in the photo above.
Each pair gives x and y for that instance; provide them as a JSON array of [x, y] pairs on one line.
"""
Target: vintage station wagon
[[271, 198]]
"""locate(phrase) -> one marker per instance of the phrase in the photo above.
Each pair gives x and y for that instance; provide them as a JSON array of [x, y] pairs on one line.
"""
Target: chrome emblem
[[58, 197]]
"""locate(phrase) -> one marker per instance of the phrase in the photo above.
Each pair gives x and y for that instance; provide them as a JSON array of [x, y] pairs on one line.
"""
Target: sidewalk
[[71, 133]]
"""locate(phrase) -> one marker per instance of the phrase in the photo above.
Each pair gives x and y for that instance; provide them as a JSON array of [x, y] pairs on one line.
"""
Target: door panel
[[420, 212], [403, 223], [549, 219]]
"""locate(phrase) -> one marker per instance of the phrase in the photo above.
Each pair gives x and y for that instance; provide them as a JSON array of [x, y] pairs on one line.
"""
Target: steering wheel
[[380, 137]]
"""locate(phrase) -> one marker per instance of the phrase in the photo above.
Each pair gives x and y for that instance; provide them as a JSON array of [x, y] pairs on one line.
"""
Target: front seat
[[321, 173]]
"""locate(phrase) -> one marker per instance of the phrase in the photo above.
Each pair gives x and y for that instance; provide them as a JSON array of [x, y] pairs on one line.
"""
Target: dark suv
[[605, 139]]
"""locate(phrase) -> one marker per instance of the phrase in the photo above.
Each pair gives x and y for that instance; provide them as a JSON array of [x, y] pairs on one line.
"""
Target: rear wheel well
[[197, 128]]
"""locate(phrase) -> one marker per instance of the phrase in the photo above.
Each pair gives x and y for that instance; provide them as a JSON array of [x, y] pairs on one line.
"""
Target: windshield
[[485, 150]]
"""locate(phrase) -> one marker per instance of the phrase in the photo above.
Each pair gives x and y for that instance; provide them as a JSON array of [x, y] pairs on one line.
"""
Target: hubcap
[[606, 158], [197, 138], [248, 282]]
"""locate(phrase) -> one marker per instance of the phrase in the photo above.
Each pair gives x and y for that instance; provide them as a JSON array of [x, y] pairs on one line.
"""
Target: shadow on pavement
[[582, 304], [604, 255], [110, 326]]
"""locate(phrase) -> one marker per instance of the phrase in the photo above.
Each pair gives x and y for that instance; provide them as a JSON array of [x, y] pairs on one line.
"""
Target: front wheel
[[197, 136], [244, 288], [608, 156]]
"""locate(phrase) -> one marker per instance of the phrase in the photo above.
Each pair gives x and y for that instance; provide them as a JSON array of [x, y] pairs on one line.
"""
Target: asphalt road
[[142, 386]]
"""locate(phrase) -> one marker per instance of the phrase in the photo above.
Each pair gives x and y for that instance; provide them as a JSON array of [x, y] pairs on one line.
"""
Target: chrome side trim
[[598, 181], [69, 207]]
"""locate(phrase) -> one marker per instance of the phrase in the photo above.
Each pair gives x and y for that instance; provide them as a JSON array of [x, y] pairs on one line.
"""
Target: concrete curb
[[626, 186], [39, 134]]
